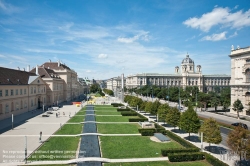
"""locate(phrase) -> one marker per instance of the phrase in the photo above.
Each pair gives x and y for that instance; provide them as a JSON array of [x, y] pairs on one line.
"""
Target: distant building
[[240, 77], [20, 91], [184, 76]]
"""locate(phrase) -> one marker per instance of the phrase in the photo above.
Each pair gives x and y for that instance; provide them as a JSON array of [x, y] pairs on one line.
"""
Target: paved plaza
[[12, 142]]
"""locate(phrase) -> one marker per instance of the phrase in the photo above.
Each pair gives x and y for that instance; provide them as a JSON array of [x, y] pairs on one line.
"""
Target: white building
[[184, 76], [240, 77]]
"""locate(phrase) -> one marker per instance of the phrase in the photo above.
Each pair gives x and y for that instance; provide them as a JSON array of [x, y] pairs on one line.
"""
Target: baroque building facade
[[184, 76], [240, 77]]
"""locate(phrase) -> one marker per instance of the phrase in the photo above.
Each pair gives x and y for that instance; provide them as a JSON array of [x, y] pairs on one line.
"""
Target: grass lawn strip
[[114, 118], [160, 163], [70, 129], [133, 147], [118, 128], [77, 119], [106, 108], [107, 113]]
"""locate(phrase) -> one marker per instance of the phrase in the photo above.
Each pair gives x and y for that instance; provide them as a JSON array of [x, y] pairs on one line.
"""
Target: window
[[17, 106], [34, 90], [24, 91], [12, 106], [11, 92], [21, 91], [16, 91], [25, 104], [248, 75], [1, 93], [1, 109], [31, 90], [7, 108], [31, 102], [6, 92], [21, 104]]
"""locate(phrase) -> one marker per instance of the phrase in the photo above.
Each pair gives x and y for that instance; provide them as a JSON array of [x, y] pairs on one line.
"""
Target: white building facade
[[184, 76], [240, 77]]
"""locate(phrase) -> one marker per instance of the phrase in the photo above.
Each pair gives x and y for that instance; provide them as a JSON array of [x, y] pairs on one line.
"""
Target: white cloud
[[128, 40], [216, 37], [235, 34], [219, 16], [88, 71], [8, 8], [102, 56]]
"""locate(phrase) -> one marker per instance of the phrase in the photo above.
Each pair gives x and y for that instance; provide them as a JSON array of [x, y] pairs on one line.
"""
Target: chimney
[[58, 62], [49, 60], [24, 69], [18, 68], [37, 70], [28, 68]]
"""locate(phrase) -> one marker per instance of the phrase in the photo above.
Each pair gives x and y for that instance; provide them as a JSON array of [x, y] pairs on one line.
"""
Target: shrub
[[128, 113], [178, 139], [147, 133], [214, 161], [146, 130], [178, 157], [116, 104], [137, 119], [165, 152]]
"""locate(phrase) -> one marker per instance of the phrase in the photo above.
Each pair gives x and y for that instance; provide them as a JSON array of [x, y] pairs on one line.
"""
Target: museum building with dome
[[185, 75]]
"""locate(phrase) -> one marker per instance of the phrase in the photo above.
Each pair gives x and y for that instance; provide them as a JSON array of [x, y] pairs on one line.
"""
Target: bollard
[[40, 138]]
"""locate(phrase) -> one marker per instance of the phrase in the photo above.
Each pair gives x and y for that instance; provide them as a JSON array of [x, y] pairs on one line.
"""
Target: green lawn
[[110, 106], [81, 113], [160, 163], [106, 108], [133, 147], [118, 128], [114, 118], [107, 113], [70, 129], [76, 119], [60, 144]]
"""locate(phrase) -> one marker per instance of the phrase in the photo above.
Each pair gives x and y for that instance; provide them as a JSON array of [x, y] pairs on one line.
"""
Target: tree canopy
[[237, 106]]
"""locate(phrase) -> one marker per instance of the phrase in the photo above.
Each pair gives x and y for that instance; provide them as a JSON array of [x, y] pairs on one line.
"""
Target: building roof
[[14, 77], [54, 65], [45, 73], [187, 60], [217, 75]]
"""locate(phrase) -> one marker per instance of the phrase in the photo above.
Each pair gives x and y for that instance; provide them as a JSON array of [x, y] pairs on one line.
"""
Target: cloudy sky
[[101, 39]]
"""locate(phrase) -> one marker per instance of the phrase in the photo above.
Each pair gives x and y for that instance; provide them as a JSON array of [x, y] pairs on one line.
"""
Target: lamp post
[[196, 100], [179, 99], [168, 94]]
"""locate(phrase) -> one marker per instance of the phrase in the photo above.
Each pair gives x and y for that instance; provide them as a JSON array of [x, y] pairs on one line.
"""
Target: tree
[[211, 131], [237, 106], [163, 111], [143, 105], [203, 98], [94, 88], [238, 140], [215, 101], [148, 107], [189, 121], [173, 117], [155, 106]]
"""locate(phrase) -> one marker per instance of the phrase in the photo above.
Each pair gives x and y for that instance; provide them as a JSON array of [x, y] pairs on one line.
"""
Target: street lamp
[[179, 99]]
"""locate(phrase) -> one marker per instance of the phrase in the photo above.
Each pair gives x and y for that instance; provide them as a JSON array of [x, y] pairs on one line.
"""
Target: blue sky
[[101, 39]]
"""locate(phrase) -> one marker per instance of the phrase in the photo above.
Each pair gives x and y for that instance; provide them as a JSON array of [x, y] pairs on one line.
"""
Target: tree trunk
[[209, 147], [238, 114], [215, 108]]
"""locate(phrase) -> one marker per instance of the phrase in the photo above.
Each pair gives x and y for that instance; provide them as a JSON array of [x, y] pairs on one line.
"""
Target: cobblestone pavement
[[89, 146]]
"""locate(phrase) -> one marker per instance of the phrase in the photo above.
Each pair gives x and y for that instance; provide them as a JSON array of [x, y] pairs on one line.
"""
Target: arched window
[[247, 98], [248, 75], [21, 104], [7, 108]]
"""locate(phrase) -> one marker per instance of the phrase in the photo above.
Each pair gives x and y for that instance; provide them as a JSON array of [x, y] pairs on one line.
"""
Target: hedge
[[128, 113], [147, 133], [137, 119], [165, 152], [144, 130], [214, 161], [178, 157], [180, 140], [126, 109], [116, 104]]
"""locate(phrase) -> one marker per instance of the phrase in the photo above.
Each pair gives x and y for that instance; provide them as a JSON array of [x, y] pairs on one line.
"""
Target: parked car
[[50, 109], [49, 112], [240, 124], [45, 115]]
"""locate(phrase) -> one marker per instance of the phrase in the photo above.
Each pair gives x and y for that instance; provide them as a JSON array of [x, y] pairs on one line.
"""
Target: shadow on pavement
[[178, 131], [167, 125], [193, 138], [216, 149]]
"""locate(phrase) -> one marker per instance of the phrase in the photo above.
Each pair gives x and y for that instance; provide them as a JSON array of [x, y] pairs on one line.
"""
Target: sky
[[100, 39]]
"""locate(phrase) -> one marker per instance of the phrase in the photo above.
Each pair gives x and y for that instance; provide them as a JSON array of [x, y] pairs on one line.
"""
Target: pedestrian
[[56, 115]]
